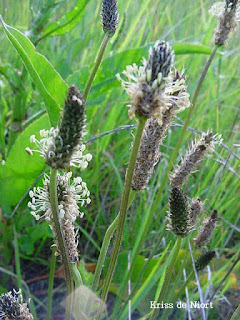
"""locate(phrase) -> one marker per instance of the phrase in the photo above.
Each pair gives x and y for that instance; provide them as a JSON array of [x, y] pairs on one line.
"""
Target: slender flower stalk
[[60, 238], [123, 208], [12, 307], [109, 17]]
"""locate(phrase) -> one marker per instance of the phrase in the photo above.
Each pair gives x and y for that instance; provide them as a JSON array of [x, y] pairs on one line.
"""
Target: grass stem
[[62, 246], [96, 66]]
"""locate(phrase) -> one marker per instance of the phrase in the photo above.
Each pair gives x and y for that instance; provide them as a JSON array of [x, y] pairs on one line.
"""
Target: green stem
[[96, 66], [50, 284], [61, 242], [144, 230], [168, 274], [123, 207], [17, 259], [76, 275], [177, 295], [103, 252], [105, 246]]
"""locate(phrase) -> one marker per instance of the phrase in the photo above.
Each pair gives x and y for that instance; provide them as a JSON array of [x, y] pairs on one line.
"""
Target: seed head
[[178, 217], [195, 209], [12, 307], [69, 196], [154, 134], [207, 230], [228, 13], [204, 260], [196, 154], [110, 17]]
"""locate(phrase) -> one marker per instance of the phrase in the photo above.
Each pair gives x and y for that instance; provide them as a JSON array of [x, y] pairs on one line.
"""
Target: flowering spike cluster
[[195, 209], [153, 87], [207, 230], [69, 196], [178, 217], [110, 17], [228, 14], [70, 132], [12, 307], [204, 260], [61, 147], [153, 135], [196, 154]]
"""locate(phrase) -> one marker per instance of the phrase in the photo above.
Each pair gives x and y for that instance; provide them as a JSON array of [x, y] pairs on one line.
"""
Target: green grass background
[[141, 23]]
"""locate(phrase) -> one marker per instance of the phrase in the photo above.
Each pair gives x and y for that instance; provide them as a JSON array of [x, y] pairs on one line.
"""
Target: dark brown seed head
[[110, 17]]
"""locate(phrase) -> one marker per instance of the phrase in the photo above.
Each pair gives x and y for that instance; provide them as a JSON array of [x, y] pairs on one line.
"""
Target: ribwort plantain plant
[[160, 212]]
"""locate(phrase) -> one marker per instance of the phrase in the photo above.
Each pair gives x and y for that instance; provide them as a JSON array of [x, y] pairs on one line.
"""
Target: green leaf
[[48, 81], [67, 22], [21, 170], [188, 48]]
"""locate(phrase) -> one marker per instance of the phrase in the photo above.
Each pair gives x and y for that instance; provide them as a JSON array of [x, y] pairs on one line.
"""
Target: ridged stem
[[96, 66], [123, 208], [61, 242], [168, 275], [50, 284]]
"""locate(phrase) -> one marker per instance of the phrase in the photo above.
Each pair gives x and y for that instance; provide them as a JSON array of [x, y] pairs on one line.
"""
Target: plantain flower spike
[[110, 17], [151, 86], [195, 209], [179, 222], [12, 307], [204, 260], [207, 230], [228, 13], [69, 194], [62, 147], [154, 134], [195, 155]]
